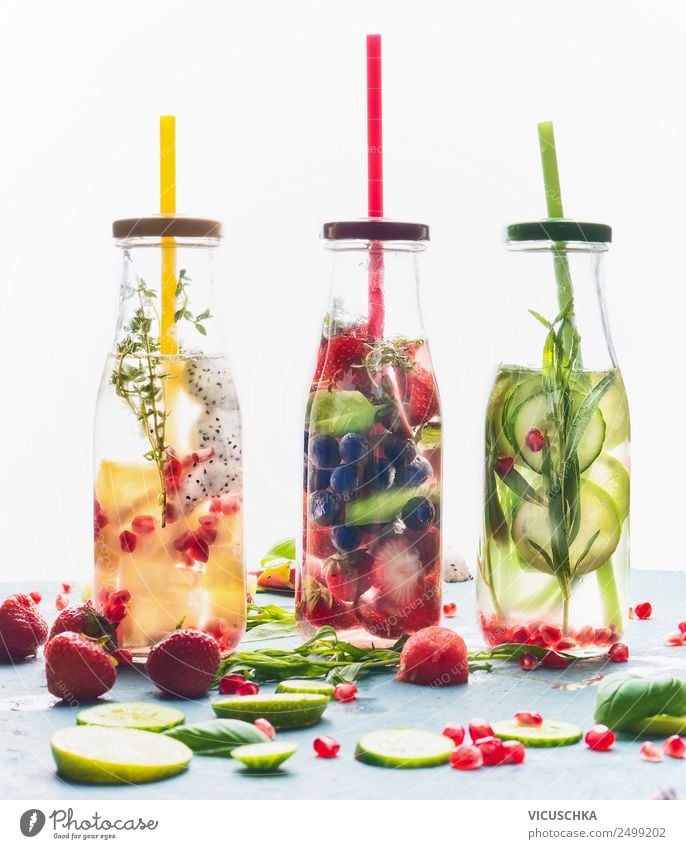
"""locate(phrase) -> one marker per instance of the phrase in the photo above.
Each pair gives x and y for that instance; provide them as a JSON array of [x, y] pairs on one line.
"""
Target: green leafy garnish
[[217, 737], [337, 412], [642, 704]]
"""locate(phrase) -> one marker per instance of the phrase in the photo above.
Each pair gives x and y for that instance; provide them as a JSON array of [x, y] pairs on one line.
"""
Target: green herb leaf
[[217, 737], [626, 701], [337, 412]]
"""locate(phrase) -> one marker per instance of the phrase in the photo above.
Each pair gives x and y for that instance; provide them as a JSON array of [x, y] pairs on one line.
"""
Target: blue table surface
[[29, 714]]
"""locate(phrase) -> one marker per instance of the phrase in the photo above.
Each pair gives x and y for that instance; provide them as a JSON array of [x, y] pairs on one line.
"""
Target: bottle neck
[[167, 289], [375, 289], [554, 281]]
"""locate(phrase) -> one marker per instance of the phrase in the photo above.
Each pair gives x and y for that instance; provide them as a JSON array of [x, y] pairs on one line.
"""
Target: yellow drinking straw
[[168, 341]]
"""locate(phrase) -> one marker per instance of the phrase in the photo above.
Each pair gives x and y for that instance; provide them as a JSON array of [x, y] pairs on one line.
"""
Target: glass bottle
[[371, 556], [554, 558], [168, 469]]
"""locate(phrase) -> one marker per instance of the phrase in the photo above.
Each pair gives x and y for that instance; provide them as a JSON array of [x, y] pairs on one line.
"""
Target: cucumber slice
[[598, 515], [283, 710], [264, 756], [532, 414], [404, 748], [96, 755], [609, 474], [381, 507], [615, 409], [305, 686], [145, 716], [552, 733]]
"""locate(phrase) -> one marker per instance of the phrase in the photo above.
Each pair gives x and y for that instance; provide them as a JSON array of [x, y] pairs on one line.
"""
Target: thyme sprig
[[183, 312], [397, 353]]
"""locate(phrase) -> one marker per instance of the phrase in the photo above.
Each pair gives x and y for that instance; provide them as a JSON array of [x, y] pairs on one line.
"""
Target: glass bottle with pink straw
[[371, 545]]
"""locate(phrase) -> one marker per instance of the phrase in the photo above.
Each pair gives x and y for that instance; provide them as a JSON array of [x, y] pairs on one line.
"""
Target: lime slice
[[404, 748], [283, 710], [305, 686], [609, 474], [615, 409], [264, 756], [551, 733], [97, 755], [532, 413], [599, 526], [145, 716]]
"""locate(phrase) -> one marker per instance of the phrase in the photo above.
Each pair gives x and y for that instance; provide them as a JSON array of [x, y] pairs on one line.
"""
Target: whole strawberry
[[22, 628], [184, 663], [82, 619], [77, 667]]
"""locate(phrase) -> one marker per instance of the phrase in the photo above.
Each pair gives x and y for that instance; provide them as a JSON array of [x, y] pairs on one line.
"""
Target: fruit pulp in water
[[519, 597], [371, 565], [171, 535]]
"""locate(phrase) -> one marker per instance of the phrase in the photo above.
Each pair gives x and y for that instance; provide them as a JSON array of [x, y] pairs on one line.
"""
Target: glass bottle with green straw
[[554, 556]]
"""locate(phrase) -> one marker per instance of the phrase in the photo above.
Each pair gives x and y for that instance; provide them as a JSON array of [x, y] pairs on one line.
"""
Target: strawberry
[[396, 572], [77, 667], [22, 628], [341, 580], [376, 619], [319, 541], [421, 396], [338, 362], [82, 619], [428, 544], [184, 663], [434, 656]]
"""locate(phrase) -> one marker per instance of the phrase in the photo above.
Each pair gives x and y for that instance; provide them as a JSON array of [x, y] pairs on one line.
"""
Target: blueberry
[[353, 447], [345, 539], [345, 480], [380, 474], [319, 478], [323, 451], [418, 514], [414, 473], [324, 508], [396, 448]]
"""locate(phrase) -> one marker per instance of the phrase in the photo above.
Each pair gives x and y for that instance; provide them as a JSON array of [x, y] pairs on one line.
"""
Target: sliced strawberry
[[341, 580], [421, 396], [338, 362], [396, 572], [319, 541], [428, 544]]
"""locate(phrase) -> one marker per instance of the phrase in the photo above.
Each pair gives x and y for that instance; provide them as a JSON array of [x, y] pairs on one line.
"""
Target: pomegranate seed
[[682, 627], [61, 602], [515, 753], [345, 692], [492, 750], [675, 638], [326, 747], [209, 535], [173, 467], [520, 634], [674, 746], [265, 727], [209, 520], [216, 505], [650, 752], [67, 587], [115, 612], [602, 636], [120, 597], [248, 689], [455, 732], [643, 610], [123, 657], [231, 504], [550, 634], [182, 542], [585, 635], [199, 550], [525, 717], [143, 524], [171, 513], [528, 661], [504, 465], [202, 455], [600, 738], [534, 440], [450, 610], [554, 660], [618, 652], [36, 596], [229, 684], [565, 644], [128, 541], [466, 757], [479, 728]]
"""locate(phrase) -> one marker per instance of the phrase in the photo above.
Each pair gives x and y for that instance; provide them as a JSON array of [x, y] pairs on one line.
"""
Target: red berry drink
[[371, 559]]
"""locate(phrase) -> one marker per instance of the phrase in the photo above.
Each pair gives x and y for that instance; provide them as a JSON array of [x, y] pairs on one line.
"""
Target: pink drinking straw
[[375, 183]]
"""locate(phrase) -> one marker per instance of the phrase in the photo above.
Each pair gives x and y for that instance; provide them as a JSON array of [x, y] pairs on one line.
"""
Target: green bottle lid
[[558, 230]]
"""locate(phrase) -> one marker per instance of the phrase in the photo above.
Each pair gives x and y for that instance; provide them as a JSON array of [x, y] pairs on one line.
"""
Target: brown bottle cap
[[376, 230], [157, 226]]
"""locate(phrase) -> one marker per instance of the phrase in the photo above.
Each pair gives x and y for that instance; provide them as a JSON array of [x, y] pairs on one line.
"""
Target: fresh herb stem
[[609, 594]]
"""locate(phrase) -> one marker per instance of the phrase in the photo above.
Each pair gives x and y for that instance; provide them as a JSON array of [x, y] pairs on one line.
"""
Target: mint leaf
[[339, 412]]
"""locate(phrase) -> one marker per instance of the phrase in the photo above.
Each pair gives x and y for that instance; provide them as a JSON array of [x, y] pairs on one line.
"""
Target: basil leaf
[[284, 548], [217, 737], [625, 698], [338, 412]]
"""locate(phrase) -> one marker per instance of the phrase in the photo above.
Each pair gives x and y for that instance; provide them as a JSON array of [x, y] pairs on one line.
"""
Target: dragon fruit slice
[[214, 469]]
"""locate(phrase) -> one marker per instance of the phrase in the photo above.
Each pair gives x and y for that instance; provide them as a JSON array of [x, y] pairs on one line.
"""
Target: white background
[[271, 137]]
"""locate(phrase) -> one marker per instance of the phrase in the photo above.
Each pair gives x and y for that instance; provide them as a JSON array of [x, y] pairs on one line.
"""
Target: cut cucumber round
[[145, 716], [551, 733], [264, 756], [283, 710], [609, 474], [305, 686], [381, 507], [96, 755], [615, 409], [404, 748], [598, 519], [532, 413]]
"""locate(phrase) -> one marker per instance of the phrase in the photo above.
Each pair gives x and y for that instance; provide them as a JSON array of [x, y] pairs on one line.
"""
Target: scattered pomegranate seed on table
[[36, 596], [492, 750], [326, 747], [67, 587], [454, 732], [230, 683], [525, 717], [528, 661], [479, 728], [643, 610], [600, 738], [674, 638], [681, 626], [515, 753], [674, 746], [618, 653], [345, 692], [650, 752], [265, 727], [248, 689], [555, 660], [466, 757], [450, 610], [61, 602]]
